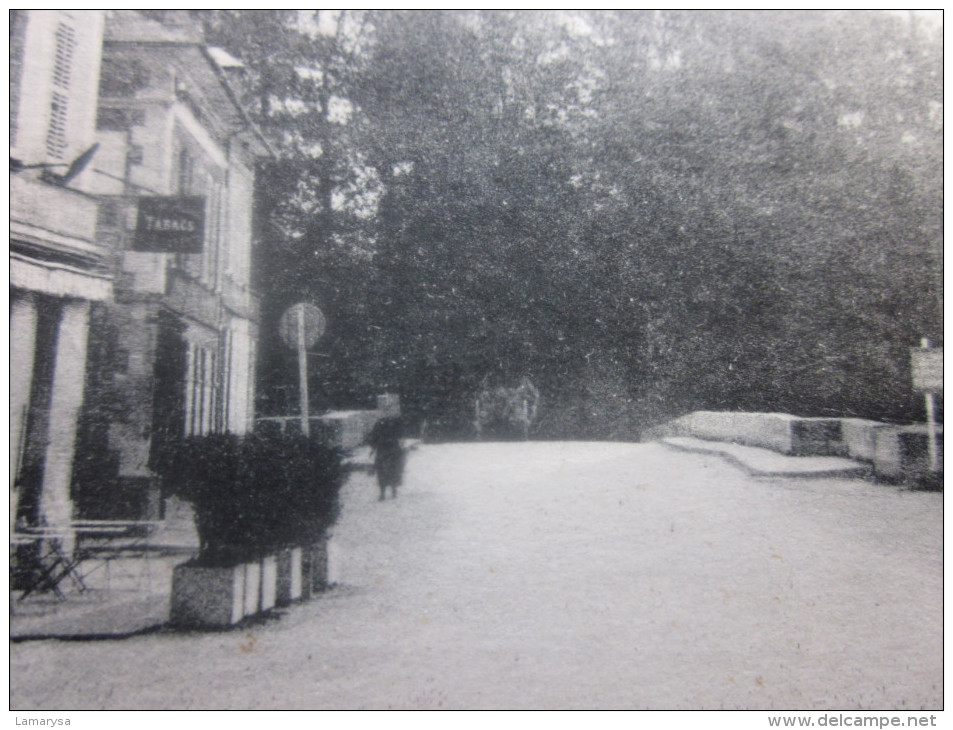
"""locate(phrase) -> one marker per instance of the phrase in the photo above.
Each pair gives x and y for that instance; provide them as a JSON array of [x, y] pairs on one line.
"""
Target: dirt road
[[556, 576]]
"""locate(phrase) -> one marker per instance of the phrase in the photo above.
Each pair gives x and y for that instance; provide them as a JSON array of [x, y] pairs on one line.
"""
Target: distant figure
[[512, 408], [389, 455]]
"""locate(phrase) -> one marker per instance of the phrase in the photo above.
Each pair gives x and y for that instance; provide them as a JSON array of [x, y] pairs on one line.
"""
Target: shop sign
[[170, 224]]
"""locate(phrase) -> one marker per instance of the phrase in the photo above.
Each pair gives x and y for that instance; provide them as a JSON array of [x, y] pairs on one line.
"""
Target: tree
[[648, 212], [317, 199]]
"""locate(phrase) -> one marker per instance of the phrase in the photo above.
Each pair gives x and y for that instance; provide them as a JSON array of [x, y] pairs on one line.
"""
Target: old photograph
[[477, 360]]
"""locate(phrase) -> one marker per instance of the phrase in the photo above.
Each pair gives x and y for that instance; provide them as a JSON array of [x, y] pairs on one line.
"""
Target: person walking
[[389, 456]]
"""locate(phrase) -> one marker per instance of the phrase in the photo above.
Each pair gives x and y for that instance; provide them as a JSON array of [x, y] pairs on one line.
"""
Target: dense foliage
[[256, 494], [645, 212]]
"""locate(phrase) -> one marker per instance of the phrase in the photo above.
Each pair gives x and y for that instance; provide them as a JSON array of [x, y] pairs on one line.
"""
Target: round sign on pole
[[305, 316], [301, 326]]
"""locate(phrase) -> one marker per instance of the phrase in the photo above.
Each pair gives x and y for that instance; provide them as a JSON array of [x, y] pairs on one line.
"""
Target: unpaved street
[[556, 576]]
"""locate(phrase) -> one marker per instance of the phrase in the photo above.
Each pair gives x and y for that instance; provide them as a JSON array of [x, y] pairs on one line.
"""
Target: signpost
[[926, 366], [301, 326]]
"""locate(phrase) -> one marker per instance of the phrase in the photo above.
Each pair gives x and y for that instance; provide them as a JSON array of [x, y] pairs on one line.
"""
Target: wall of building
[[60, 56], [58, 268], [183, 326], [114, 350]]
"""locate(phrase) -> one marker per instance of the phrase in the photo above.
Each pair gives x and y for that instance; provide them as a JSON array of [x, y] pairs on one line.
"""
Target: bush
[[255, 494]]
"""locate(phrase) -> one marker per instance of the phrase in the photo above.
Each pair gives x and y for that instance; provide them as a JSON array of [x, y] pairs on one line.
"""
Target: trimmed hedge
[[255, 494]]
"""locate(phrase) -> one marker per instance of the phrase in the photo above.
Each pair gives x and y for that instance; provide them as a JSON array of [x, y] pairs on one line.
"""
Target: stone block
[[817, 437], [860, 438], [307, 584], [207, 597], [252, 602], [289, 578], [767, 430], [269, 582], [902, 455], [888, 463], [915, 457], [316, 567], [319, 566]]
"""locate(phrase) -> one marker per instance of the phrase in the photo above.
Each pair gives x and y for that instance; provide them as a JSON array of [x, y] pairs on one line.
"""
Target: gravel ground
[[567, 575]]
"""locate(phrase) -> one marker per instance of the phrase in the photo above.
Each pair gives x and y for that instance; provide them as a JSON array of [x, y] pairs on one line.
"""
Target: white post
[[22, 355], [69, 379], [931, 423], [303, 373]]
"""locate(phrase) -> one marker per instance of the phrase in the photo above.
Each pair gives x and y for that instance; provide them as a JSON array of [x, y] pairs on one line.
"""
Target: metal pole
[[931, 435], [303, 374]]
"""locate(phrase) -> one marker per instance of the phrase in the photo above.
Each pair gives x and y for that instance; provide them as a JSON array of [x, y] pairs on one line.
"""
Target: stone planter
[[289, 576], [204, 597], [207, 597]]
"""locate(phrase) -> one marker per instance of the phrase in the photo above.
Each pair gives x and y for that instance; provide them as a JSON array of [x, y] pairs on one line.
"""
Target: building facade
[[59, 270], [174, 355], [166, 345]]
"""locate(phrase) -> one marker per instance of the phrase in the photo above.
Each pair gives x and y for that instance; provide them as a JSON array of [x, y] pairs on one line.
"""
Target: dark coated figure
[[389, 455]]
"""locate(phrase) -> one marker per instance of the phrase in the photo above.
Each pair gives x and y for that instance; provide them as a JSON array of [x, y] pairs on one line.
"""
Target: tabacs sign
[[170, 224]]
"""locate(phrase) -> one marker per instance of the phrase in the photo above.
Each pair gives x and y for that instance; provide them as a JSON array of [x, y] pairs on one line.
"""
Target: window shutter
[[56, 136], [63, 63]]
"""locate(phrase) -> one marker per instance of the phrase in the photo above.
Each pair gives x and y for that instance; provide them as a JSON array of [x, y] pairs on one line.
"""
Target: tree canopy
[[645, 212]]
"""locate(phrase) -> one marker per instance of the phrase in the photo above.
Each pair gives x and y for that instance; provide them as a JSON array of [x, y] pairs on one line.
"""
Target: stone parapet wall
[[897, 453], [768, 430], [346, 429], [901, 454]]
